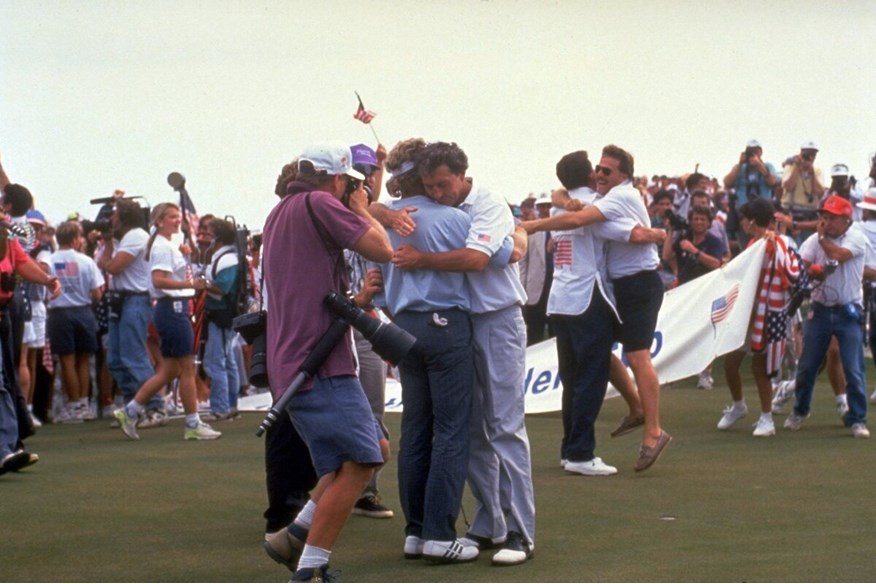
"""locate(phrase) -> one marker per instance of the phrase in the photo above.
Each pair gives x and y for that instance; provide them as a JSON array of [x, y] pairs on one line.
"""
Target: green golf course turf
[[718, 506]]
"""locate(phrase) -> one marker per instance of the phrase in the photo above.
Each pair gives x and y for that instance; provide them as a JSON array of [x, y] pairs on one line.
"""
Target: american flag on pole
[[363, 115], [722, 305]]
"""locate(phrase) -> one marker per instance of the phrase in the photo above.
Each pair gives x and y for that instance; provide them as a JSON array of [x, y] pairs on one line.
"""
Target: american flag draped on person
[[781, 268]]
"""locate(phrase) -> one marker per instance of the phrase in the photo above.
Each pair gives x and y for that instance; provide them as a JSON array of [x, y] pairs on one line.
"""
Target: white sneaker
[[85, 413], [413, 547], [152, 419], [68, 415], [705, 381], [447, 552], [860, 430], [764, 427], [201, 432], [564, 462], [793, 422], [732, 414], [35, 421], [785, 392], [590, 468]]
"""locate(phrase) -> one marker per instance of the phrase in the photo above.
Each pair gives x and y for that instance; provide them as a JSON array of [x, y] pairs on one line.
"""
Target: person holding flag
[[769, 324]]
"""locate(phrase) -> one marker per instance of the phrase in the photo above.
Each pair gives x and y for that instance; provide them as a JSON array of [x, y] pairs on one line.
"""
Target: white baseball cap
[[810, 145], [544, 199], [869, 200], [839, 170], [753, 144], [331, 158]]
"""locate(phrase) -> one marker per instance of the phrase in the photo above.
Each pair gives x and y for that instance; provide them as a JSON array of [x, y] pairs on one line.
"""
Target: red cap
[[836, 205]]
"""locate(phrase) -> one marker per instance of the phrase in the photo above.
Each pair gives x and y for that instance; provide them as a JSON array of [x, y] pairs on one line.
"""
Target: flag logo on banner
[[722, 306]]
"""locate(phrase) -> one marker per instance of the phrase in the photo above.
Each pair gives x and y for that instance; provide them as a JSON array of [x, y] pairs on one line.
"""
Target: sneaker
[[371, 506], [793, 422], [153, 419], [842, 408], [126, 423], [320, 574], [107, 411], [448, 552], [515, 551], [590, 468], [564, 462], [732, 414], [201, 432], [860, 430], [285, 546], [785, 392], [764, 427], [413, 547], [68, 416], [35, 421], [14, 461], [481, 542], [705, 381], [85, 412]]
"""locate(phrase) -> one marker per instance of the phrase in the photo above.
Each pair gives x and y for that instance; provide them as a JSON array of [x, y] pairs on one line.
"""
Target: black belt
[[125, 293]]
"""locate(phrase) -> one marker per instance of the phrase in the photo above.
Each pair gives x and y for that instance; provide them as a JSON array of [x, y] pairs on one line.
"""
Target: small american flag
[[484, 237], [722, 306], [363, 115], [66, 269], [563, 254]]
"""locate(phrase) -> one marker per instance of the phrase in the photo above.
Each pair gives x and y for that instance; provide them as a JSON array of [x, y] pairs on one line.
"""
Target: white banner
[[706, 318]]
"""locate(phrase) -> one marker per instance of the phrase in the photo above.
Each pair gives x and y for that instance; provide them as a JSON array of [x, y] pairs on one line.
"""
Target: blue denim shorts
[[174, 327], [335, 421], [72, 331]]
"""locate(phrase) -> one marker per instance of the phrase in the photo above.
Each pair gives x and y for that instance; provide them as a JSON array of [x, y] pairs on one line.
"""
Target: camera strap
[[336, 251]]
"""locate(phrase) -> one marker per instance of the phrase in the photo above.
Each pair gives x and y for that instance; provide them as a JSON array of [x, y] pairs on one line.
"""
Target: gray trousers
[[499, 469], [372, 376]]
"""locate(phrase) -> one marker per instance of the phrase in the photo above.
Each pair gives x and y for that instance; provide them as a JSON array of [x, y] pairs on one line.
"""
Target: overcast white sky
[[99, 94]]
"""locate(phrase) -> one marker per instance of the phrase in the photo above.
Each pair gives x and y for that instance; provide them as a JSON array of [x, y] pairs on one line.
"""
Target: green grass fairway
[[719, 506]]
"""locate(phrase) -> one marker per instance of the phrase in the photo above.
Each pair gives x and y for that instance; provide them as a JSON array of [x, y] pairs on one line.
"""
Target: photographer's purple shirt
[[300, 269]]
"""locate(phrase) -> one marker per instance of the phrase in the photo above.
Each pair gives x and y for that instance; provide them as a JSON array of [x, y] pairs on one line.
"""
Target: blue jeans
[[584, 344], [825, 322], [221, 366], [437, 379], [127, 357]]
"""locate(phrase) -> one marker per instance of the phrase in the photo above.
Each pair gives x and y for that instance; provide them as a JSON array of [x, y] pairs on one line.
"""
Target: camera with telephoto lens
[[388, 340], [252, 326]]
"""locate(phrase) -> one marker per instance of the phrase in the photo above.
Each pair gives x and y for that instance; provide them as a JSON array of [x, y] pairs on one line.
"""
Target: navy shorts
[[72, 331], [639, 298], [171, 317], [335, 421]]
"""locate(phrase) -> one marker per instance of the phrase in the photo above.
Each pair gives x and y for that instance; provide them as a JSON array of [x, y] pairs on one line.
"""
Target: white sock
[[305, 516], [193, 420], [841, 399], [313, 557], [766, 415], [739, 405], [134, 409]]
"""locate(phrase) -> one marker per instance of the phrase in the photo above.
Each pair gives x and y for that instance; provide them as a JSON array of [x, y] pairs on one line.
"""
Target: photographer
[[803, 190], [750, 178], [124, 258], [692, 251], [304, 239]]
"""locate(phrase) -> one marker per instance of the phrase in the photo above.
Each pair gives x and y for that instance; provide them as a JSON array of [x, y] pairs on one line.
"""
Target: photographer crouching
[[304, 239]]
